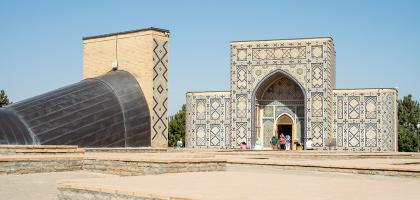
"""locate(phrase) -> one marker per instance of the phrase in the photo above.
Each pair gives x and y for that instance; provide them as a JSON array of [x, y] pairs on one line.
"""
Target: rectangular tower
[[143, 53]]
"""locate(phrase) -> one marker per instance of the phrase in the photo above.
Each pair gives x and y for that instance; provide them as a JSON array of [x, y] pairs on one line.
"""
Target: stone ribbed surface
[[105, 111]]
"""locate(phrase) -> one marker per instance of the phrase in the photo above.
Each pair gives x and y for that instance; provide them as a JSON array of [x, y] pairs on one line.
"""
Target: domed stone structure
[[122, 102]]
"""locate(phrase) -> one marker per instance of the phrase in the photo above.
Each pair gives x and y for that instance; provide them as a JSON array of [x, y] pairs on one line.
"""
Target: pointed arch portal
[[279, 106]]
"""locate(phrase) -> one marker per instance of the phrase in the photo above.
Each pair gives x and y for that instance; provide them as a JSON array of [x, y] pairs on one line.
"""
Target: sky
[[377, 42]]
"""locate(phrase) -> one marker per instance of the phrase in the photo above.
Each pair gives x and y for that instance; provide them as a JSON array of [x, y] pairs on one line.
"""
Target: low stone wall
[[134, 167], [68, 191], [39, 165], [40, 149], [338, 169], [125, 150]]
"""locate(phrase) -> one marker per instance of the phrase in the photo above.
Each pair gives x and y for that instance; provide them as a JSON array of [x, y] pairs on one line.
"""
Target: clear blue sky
[[377, 42]]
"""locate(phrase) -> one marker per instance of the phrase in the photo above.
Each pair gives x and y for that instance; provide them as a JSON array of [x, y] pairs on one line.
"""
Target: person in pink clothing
[[244, 146]]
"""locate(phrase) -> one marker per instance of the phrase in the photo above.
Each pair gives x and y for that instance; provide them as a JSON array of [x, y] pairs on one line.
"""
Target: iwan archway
[[279, 106]]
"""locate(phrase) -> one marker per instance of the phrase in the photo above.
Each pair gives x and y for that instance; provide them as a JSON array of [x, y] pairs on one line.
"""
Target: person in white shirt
[[258, 145], [308, 145]]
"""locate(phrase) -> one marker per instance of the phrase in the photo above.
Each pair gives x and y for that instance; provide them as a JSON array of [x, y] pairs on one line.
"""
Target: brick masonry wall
[[28, 166], [145, 55], [67, 193], [135, 168]]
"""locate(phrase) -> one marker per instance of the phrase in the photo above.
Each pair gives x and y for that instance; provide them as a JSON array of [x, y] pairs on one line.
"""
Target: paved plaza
[[189, 174], [235, 183], [38, 185]]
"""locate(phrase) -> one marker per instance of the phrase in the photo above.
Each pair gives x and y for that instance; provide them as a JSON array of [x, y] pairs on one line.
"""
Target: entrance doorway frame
[[255, 128], [293, 124]]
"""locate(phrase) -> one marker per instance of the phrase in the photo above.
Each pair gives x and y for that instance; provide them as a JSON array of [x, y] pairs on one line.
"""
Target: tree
[[408, 119], [406, 140], [4, 100], [177, 127]]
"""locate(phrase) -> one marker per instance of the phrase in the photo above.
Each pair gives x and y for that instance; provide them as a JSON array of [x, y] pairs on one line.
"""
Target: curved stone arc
[[256, 89], [134, 106], [13, 129], [106, 111]]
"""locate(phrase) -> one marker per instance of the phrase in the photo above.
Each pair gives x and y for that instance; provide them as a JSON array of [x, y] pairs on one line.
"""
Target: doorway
[[286, 129], [286, 125]]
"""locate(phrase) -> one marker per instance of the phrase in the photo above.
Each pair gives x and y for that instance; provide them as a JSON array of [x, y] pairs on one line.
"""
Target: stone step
[[40, 149], [26, 151], [38, 146], [125, 150]]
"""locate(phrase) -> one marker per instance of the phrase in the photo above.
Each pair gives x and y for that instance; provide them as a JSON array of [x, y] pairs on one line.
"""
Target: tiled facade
[[208, 119], [295, 78], [365, 119]]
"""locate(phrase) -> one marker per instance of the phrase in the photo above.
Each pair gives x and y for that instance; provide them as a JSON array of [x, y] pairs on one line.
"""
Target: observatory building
[[289, 86], [122, 101]]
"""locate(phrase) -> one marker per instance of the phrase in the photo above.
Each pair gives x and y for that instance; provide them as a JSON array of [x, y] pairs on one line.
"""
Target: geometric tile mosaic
[[317, 75], [317, 136], [370, 107], [371, 134], [215, 108], [356, 119], [340, 107], [200, 109], [201, 135], [279, 53], [268, 111], [339, 135], [242, 77], [316, 51], [228, 105], [241, 105], [373, 112], [268, 125], [241, 55], [240, 132], [283, 89], [159, 118], [215, 134], [354, 107], [211, 109], [354, 135], [317, 101], [227, 136]]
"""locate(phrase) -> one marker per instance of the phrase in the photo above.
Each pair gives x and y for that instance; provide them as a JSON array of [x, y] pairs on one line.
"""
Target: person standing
[[258, 144], [308, 144], [179, 143], [287, 142], [282, 141], [244, 146], [273, 143]]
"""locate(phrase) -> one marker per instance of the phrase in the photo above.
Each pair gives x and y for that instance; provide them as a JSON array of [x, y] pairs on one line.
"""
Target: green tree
[[177, 127], [4, 100], [408, 119], [406, 140]]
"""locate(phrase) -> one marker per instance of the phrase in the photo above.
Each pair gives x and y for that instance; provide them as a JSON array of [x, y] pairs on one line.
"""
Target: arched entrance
[[286, 125], [279, 105]]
